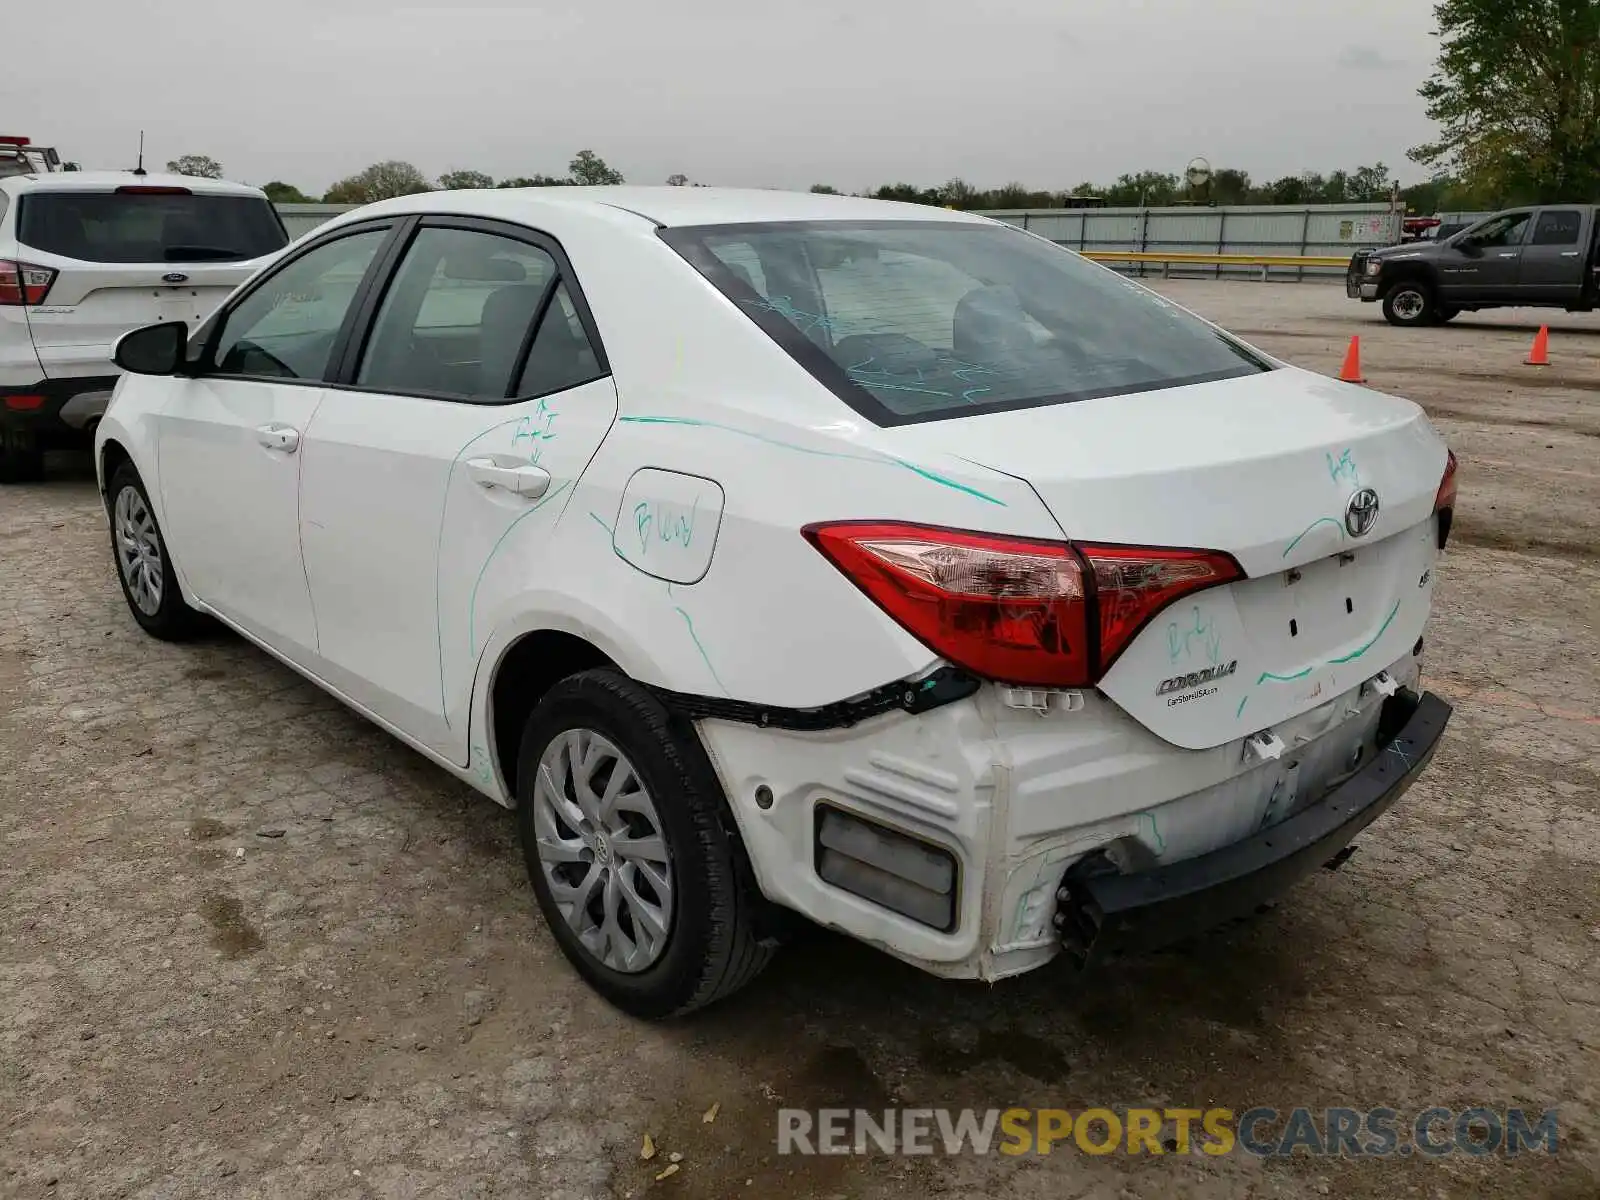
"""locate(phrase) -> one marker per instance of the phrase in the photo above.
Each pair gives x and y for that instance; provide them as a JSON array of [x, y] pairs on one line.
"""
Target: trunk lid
[[1264, 468]]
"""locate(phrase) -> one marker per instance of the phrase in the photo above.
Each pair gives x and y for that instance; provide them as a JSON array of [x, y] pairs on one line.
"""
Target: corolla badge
[[1361, 513], [174, 277]]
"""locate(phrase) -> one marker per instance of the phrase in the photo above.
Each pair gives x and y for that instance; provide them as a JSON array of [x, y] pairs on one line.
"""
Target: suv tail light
[[1018, 610], [152, 189], [1444, 501], [24, 283]]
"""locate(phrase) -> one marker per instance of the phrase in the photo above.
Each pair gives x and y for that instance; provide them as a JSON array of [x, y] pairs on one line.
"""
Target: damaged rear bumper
[[1100, 915]]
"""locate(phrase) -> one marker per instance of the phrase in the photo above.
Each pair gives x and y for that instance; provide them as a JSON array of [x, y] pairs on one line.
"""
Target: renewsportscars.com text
[[1264, 1132]]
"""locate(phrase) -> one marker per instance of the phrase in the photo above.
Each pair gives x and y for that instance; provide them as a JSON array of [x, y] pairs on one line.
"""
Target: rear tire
[[649, 897], [144, 567], [1409, 303], [21, 461]]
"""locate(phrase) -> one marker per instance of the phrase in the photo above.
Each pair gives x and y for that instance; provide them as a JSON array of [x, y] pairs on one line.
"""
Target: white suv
[[87, 256]]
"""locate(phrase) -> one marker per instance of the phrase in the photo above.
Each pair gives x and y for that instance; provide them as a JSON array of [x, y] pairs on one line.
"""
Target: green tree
[[455, 181], [1231, 186], [823, 189], [1516, 94], [202, 166], [1370, 184], [378, 182], [1147, 187], [590, 169], [677, 181], [285, 193], [527, 181], [1291, 189]]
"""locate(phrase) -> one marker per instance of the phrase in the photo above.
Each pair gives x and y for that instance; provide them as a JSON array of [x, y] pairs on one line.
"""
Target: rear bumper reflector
[[904, 874], [1105, 914]]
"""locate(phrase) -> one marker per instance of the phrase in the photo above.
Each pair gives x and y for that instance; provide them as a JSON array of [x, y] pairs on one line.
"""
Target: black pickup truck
[[1545, 257]]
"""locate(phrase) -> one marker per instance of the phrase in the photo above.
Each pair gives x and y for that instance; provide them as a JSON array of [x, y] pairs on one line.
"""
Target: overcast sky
[[746, 92]]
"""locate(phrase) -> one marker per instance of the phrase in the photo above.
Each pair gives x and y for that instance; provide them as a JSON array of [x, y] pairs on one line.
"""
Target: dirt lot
[[250, 946]]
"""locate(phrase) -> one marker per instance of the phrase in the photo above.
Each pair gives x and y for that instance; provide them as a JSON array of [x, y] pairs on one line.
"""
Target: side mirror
[[153, 350], [1470, 248]]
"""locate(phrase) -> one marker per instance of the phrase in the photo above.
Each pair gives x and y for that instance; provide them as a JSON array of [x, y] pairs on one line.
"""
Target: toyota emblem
[[1361, 513]]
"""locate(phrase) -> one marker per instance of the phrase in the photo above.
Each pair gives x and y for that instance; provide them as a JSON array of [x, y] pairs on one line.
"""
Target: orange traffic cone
[[1351, 371], [1539, 356]]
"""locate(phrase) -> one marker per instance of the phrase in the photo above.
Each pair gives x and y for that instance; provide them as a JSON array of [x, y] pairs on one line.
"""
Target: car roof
[[108, 181], [671, 206]]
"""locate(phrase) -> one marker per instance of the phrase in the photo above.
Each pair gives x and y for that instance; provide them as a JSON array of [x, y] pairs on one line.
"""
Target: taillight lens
[[1044, 614], [1133, 584], [1444, 501], [24, 283]]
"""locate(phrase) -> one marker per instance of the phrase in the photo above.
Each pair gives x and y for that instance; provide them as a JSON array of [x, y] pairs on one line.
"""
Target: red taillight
[[24, 283], [1030, 612], [1444, 500], [1134, 583], [24, 403], [152, 189], [1446, 496]]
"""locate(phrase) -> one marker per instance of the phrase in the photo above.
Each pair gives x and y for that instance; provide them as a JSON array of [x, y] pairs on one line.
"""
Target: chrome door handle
[[279, 437], [525, 480], [1571, 253], [1508, 254]]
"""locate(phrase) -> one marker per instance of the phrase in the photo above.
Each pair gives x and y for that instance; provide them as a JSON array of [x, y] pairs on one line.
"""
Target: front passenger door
[[1485, 263], [229, 440]]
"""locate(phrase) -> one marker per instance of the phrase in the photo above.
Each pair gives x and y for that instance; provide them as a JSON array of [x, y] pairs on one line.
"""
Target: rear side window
[[925, 320], [1558, 227], [460, 315], [126, 227]]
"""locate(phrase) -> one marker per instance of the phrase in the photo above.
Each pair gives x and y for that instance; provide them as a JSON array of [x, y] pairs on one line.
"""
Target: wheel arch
[[1410, 272], [523, 661]]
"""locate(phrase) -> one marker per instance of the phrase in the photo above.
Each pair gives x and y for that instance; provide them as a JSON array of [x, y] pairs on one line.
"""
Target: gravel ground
[[251, 946]]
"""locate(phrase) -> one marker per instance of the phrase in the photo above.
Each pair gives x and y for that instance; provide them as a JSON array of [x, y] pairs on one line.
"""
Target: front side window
[[457, 316], [286, 328], [925, 320], [149, 227], [1500, 231]]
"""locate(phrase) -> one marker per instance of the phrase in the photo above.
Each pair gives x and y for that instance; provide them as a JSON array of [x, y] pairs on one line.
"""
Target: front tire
[[627, 840], [144, 567], [1409, 303]]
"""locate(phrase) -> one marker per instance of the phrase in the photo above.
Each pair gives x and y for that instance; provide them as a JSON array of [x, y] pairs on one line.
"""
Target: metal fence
[[1275, 231], [301, 219]]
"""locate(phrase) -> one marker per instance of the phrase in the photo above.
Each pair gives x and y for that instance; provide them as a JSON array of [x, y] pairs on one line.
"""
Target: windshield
[[122, 227], [921, 320]]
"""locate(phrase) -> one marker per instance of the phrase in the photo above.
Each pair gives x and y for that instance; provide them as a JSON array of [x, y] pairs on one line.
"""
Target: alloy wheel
[[601, 848], [139, 550]]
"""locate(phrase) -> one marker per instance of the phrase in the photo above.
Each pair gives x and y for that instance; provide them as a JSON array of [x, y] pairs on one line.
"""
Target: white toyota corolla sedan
[[778, 554]]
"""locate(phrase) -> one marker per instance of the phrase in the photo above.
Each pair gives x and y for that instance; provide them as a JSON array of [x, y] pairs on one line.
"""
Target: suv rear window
[[924, 320], [121, 227]]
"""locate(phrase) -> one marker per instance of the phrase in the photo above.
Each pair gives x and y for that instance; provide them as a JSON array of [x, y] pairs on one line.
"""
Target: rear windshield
[[918, 320], [111, 227]]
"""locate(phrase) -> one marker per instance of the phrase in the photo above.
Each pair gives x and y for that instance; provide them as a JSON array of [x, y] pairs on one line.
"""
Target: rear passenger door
[[441, 459], [1553, 264]]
